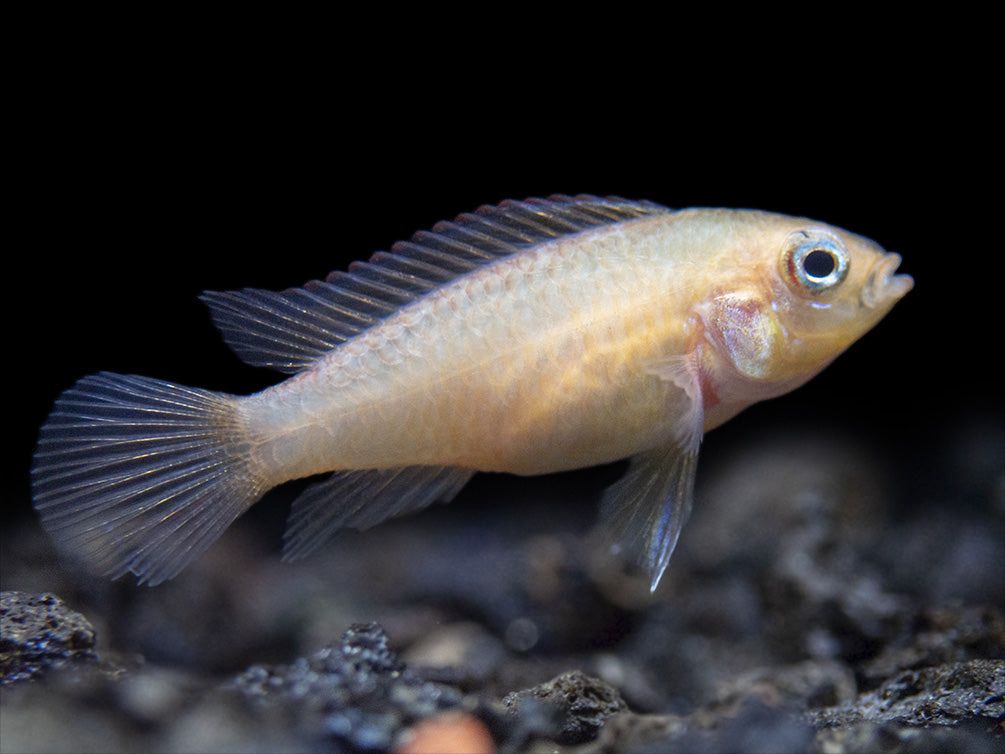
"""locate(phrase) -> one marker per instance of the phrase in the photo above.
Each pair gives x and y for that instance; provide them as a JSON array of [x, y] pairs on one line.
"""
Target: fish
[[527, 337]]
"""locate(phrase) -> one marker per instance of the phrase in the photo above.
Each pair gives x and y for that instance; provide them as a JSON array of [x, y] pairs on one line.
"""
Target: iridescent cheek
[[749, 332]]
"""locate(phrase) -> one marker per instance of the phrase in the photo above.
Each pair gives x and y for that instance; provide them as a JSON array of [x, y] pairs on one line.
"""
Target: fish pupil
[[819, 263]]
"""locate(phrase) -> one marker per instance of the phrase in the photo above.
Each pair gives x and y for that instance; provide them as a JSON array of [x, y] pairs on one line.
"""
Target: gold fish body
[[528, 338]]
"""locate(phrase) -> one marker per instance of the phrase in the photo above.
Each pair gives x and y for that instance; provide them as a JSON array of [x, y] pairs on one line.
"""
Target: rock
[[941, 695], [39, 632], [938, 637], [357, 692], [569, 709]]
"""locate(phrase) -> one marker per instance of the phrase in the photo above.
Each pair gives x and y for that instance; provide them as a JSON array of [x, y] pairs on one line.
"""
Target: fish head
[[830, 287], [806, 291]]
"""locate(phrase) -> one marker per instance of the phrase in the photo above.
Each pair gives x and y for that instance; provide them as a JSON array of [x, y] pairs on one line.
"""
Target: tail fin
[[135, 474]]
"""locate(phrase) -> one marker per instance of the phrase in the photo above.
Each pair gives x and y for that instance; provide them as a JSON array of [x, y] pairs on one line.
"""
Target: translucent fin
[[361, 499], [683, 371], [135, 474], [645, 510], [291, 329]]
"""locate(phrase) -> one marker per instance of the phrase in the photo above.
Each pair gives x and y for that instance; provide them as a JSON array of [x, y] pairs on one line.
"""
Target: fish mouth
[[882, 287]]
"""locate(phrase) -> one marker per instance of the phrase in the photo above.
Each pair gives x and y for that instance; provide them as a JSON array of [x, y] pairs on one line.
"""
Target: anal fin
[[361, 499]]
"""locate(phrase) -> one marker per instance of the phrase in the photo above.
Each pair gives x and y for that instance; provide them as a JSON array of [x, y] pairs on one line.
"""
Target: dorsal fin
[[288, 330]]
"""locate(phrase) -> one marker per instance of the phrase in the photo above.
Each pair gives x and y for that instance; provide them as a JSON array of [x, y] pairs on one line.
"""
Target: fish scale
[[472, 360]]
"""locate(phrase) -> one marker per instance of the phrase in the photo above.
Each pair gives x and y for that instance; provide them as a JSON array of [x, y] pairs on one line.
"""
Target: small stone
[[447, 733], [578, 705], [39, 632], [357, 691]]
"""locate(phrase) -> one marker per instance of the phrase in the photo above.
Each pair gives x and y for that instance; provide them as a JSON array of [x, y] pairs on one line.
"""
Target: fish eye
[[815, 264]]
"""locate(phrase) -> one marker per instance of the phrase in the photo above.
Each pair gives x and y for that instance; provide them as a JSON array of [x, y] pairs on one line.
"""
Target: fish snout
[[883, 287]]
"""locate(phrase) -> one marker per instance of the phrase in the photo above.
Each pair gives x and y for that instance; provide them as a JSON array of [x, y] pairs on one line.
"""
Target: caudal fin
[[135, 474]]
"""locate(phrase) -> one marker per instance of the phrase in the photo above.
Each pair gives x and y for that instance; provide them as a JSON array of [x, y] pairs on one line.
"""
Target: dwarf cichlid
[[531, 337]]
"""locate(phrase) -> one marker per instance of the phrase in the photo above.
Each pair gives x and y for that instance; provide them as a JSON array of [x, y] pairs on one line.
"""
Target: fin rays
[[291, 329], [646, 509], [361, 499], [140, 475]]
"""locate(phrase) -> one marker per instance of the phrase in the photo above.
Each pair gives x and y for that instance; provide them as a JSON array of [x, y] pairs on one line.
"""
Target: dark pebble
[[37, 633]]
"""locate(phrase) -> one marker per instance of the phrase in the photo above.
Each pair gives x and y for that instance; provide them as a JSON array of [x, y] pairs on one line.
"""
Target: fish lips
[[883, 288]]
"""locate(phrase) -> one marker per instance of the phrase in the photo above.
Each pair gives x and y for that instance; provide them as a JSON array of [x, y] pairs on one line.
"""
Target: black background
[[147, 171]]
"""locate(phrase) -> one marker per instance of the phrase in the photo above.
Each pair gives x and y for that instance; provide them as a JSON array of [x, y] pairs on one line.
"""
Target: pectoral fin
[[646, 509]]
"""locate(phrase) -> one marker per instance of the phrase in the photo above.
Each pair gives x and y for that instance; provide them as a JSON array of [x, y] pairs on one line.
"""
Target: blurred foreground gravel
[[812, 605]]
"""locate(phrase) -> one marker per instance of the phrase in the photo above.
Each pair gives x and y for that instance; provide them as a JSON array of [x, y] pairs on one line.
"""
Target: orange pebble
[[448, 733]]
